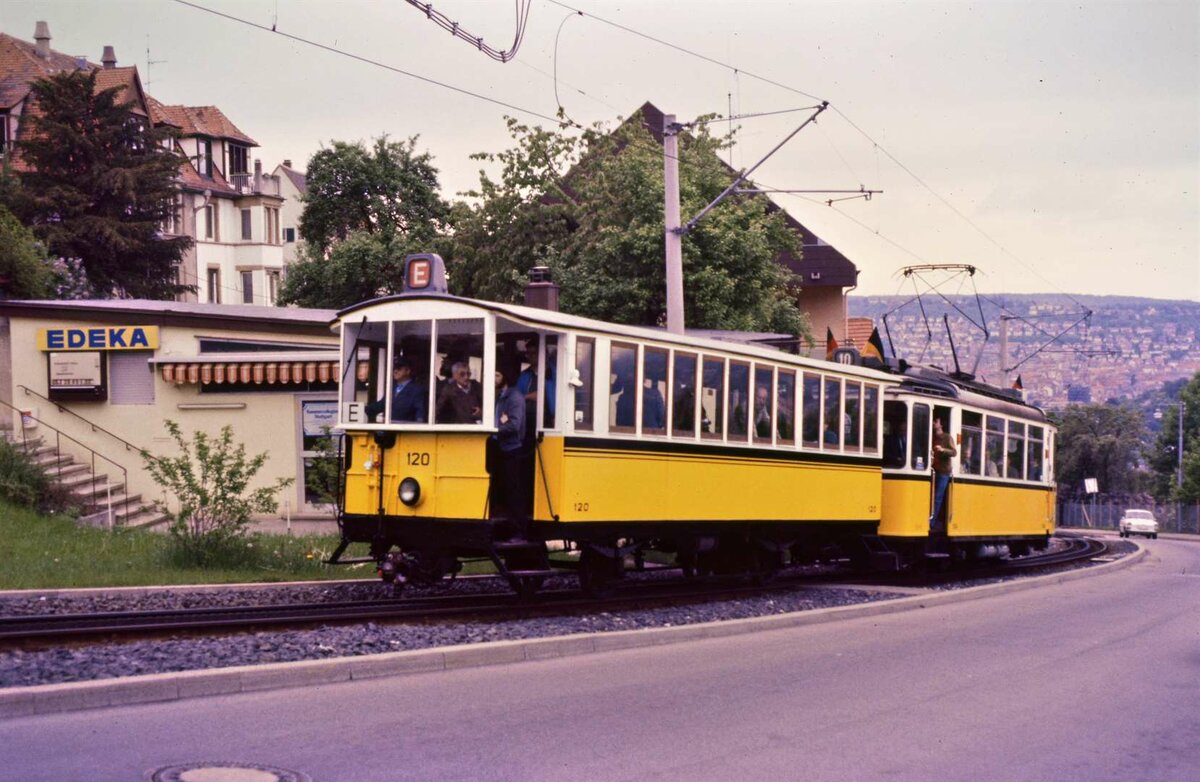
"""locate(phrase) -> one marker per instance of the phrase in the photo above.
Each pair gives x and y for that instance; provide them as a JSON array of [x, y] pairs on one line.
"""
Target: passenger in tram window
[[654, 407], [508, 484], [762, 412], [408, 396], [831, 434], [461, 399], [623, 385], [785, 426], [942, 452]]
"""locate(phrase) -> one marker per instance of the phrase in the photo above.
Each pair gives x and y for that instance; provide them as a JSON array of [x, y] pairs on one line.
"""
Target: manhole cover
[[227, 772]]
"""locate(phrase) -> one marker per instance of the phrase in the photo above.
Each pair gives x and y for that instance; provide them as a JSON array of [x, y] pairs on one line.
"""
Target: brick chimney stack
[[41, 35], [109, 58], [541, 291]]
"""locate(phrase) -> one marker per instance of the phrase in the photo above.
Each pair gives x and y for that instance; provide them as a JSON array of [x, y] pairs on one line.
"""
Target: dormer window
[[239, 159]]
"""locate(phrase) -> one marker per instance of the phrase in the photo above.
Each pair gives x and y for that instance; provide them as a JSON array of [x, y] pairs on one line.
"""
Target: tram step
[[531, 573]]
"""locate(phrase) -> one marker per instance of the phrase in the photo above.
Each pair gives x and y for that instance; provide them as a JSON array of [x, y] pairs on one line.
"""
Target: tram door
[[941, 505]]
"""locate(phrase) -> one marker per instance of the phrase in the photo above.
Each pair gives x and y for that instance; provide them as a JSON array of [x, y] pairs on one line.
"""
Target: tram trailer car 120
[[731, 457]]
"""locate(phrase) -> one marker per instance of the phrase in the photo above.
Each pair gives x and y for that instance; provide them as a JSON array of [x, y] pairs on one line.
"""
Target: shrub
[[24, 483], [210, 478]]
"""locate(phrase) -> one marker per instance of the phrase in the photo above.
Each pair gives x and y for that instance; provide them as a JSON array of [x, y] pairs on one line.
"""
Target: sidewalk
[[303, 526]]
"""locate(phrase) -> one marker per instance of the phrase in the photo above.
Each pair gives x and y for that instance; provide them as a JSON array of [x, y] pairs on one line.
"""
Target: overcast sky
[[1062, 135]]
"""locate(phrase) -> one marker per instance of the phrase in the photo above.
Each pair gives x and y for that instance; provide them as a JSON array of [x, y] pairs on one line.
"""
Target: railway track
[[49, 628]]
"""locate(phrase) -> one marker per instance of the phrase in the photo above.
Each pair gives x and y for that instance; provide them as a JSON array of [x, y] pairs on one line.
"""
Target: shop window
[[683, 395], [712, 399], [585, 362], [654, 391], [622, 395]]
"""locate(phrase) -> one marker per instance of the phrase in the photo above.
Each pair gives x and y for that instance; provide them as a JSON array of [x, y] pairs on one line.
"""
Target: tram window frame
[[1014, 446], [370, 351], [993, 435], [1034, 451], [895, 437], [870, 407], [627, 385], [459, 331], [811, 406], [834, 408], [920, 436], [715, 429], [584, 417], [418, 352], [655, 384], [683, 359], [731, 406], [971, 459], [785, 417], [852, 428], [548, 382], [762, 376]]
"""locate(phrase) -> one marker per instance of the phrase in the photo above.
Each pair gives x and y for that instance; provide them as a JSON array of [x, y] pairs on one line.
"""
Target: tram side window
[[831, 437], [654, 391], [364, 375], [993, 447], [712, 399], [811, 405], [764, 403], [549, 386], [585, 361], [459, 391], [972, 443], [870, 419], [853, 419], [683, 396], [920, 437], [785, 409], [895, 434], [739, 400], [622, 398], [1016, 451], [1033, 464]]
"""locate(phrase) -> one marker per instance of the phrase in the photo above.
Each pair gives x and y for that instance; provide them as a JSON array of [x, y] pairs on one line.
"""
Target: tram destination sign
[[98, 338]]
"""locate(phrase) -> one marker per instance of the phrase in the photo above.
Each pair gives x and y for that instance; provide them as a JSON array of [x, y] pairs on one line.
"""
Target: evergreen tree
[[100, 184], [25, 271]]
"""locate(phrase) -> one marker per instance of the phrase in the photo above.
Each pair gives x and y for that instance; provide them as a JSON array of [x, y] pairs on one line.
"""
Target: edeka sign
[[98, 338]]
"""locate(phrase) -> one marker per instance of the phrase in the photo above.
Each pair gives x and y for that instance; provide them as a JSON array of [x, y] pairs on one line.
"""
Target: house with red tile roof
[[229, 207]]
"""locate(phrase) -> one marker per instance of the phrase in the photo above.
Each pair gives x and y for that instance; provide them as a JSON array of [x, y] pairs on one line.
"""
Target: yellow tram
[[731, 456]]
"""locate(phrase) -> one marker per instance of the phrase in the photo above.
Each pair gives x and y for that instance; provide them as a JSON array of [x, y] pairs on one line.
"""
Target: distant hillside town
[[1128, 347]]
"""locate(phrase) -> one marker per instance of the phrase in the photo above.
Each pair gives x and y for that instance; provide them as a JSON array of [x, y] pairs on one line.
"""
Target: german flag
[[1018, 385], [874, 347], [831, 344]]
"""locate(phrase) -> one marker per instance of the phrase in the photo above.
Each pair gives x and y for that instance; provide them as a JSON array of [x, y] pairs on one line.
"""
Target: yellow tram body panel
[[977, 509], [611, 481], [450, 467]]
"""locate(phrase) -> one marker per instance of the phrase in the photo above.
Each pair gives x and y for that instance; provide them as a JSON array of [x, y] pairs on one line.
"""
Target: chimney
[[541, 291], [287, 164], [41, 34], [258, 175], [109, 58]]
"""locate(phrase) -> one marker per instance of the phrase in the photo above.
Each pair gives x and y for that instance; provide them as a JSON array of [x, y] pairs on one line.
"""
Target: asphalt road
[[1096, 679]]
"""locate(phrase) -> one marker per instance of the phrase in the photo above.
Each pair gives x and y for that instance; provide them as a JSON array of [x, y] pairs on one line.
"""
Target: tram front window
[[364, 375], [459, 391], [408, 391]]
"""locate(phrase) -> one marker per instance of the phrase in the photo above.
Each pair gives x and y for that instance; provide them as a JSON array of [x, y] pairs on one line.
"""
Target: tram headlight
[[410, 492]]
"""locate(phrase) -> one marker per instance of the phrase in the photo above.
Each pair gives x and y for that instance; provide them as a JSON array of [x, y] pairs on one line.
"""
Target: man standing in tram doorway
[[943, 452], [508, 486]]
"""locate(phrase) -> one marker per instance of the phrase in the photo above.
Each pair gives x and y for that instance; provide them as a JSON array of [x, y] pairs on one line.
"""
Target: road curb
[[157, 688]]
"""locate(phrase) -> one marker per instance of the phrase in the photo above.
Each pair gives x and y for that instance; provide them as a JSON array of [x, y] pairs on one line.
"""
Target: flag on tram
[[830, 344], [874, 347], [1018, 385]]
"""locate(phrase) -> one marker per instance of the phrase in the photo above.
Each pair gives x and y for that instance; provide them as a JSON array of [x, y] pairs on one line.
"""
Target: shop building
[[102, 376]]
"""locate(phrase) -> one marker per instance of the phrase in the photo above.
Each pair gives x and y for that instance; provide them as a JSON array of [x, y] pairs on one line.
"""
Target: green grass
[[50, 552]]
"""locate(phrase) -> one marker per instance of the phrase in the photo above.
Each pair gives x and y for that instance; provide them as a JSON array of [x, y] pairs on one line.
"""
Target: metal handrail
[[58, 435], [95, 427]]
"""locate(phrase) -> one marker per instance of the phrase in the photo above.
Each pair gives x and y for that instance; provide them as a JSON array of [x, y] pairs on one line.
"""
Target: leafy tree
[[1102, 442], [100, 184], [210, 478], [25, 271], [591, 207], [1164, 459], [385, 191]]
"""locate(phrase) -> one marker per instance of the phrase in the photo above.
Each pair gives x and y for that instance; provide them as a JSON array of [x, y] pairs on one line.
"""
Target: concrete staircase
[[95, 492]]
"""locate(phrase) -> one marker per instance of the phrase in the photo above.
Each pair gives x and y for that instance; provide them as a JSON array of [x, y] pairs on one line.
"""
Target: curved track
[[23, 630]]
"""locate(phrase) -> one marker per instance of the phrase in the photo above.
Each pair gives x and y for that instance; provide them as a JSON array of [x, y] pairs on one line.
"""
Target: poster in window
[[318, 418], [77, 375]]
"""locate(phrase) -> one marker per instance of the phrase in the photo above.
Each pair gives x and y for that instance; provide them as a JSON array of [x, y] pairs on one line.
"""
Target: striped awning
[[259, 369]]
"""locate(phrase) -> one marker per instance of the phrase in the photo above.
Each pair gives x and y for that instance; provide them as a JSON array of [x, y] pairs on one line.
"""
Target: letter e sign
[[418, 273]]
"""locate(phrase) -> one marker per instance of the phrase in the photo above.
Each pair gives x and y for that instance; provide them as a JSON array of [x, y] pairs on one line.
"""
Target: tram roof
[[694, 339]]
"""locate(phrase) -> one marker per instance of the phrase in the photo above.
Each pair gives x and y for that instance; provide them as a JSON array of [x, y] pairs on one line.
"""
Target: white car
[[1138, 522]]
